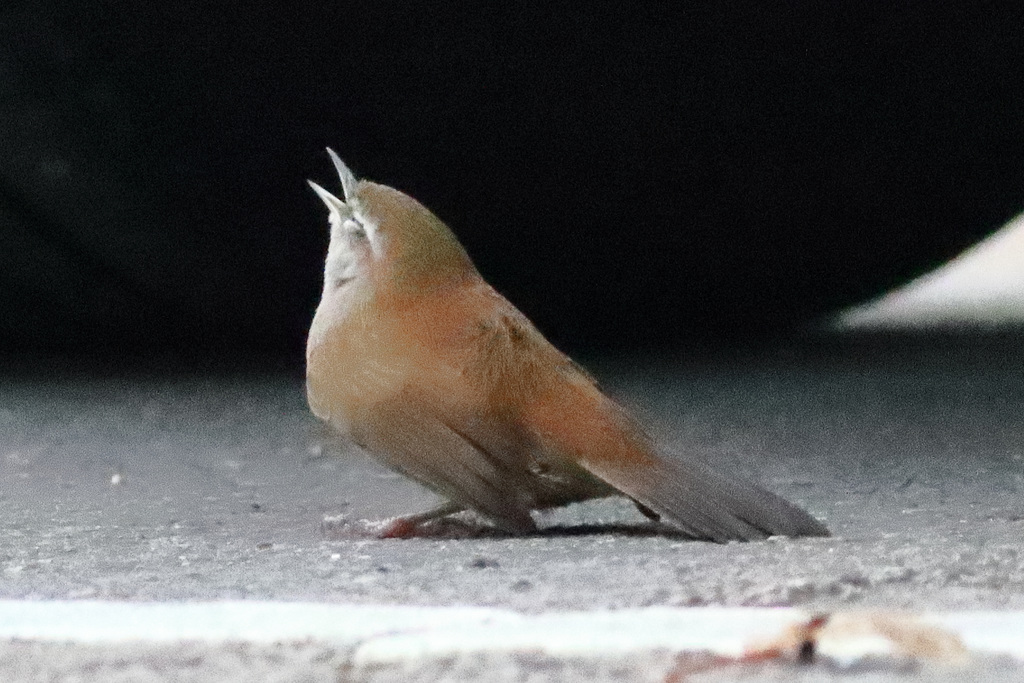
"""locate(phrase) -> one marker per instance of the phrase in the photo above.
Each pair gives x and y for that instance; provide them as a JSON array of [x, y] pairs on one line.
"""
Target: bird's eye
[[354, 228], [341, 281]]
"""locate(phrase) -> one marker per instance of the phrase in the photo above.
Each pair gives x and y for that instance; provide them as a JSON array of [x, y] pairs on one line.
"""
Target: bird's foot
[[433, 523], [411, 526], [342, 527], [414, 526], [401, 527]]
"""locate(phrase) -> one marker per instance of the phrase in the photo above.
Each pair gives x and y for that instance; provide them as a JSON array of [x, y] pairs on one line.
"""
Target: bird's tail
[[703, 502], [581, 424]]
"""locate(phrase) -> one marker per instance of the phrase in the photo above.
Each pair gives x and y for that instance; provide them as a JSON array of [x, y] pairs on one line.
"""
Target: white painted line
[[95, 621], [383, 634], [985, 631], [724, 631]]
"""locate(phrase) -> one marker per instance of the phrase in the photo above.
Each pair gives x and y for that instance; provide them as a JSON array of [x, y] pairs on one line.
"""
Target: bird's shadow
[[638, 530], [456, 529]]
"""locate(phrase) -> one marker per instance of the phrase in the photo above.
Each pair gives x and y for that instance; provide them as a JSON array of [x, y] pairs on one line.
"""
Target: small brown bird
[[416, 359]]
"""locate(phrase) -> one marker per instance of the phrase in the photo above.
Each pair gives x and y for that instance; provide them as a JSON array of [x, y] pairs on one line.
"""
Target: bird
[[412, 356]]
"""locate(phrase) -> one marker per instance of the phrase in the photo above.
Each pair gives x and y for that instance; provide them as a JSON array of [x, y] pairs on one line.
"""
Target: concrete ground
[[141, 486]]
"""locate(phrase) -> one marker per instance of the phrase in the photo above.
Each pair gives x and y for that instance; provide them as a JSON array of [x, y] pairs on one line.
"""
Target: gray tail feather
[[709, 505]]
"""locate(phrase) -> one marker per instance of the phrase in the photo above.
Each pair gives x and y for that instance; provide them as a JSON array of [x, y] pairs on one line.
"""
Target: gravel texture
[[169, 485]]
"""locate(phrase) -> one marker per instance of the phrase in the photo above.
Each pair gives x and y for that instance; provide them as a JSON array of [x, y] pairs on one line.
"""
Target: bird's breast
[[363, 353], [355, 359]]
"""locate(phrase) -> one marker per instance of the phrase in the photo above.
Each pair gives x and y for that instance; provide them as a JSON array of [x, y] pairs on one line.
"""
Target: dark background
[[630, 177]]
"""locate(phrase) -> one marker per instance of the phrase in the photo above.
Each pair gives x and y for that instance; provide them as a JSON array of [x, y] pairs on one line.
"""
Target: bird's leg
[[405, 527]]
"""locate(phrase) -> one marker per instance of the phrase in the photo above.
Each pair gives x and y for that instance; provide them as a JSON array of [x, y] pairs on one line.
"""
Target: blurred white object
[[981, 288]]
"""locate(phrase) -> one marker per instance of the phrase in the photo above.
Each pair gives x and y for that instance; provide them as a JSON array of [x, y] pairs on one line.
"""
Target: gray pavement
[[128, 485]]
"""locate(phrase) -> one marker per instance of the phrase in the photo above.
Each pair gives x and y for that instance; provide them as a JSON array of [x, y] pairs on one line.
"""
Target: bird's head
[[384, 237]]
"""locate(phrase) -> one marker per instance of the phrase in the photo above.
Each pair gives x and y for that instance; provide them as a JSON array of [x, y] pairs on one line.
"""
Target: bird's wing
[[417, 435]]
